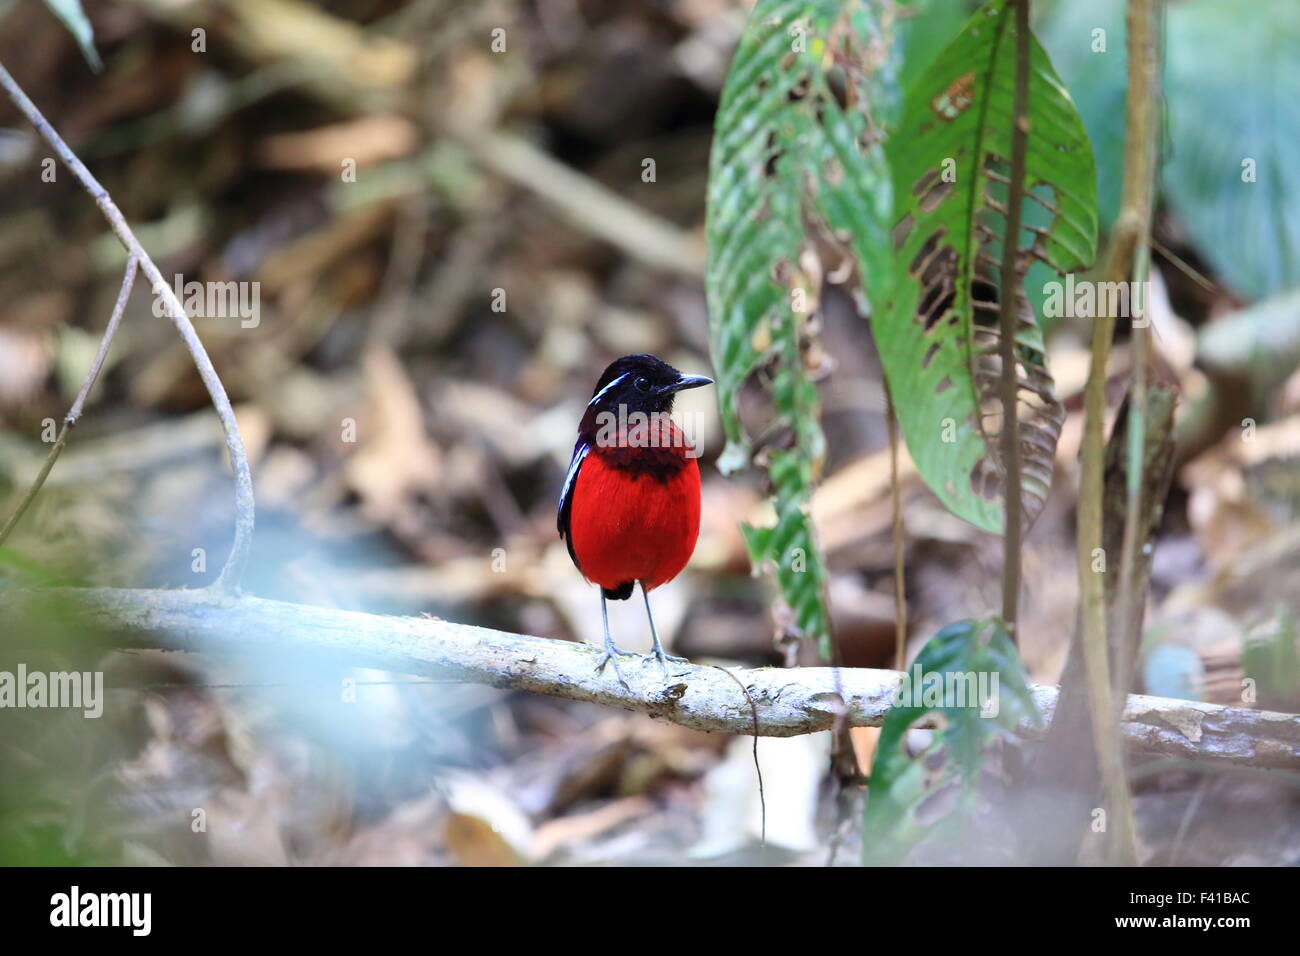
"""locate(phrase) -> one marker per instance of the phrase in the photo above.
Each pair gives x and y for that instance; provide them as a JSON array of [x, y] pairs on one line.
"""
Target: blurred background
[[446, 218]]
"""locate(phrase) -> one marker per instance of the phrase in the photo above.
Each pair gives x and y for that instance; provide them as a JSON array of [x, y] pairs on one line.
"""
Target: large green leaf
[[968, 683], [939, 337], [796, 143]]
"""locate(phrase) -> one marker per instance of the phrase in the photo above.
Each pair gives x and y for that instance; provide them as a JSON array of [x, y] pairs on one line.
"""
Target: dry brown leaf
[[579, 827], [366, 141], [473, 842], [865, 741], [484, 827], [395, 457], [269, 30]]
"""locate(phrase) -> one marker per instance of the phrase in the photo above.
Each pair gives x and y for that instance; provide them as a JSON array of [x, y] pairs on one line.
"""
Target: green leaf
[[796, 143], [78, 24], [924, 29], [967, 681], [938, 338]]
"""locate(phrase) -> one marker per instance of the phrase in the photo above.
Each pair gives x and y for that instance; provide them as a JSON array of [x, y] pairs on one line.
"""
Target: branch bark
[[786, 702]]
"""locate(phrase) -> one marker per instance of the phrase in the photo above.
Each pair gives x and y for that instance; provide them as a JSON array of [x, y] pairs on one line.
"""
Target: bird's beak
[[690, 381]]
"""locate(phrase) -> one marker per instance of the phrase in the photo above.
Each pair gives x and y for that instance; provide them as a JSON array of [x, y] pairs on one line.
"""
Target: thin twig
[[1183, 266], [758, 770], [1009, 319], [233, 570], [74, 414]]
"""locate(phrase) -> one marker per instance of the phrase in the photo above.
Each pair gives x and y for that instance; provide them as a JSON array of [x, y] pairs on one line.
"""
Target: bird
[[629, 511]]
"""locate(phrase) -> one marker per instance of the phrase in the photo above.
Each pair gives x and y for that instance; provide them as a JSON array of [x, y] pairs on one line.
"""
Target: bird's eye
[[642, 384]]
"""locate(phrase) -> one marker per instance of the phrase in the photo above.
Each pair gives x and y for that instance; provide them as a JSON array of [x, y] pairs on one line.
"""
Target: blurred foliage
[[56, 765], [1231, 67], [928, 795], [1260, 342], [1272, 660]]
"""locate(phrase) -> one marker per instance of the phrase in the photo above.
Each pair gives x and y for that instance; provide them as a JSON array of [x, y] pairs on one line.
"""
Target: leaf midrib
[[977, 190]]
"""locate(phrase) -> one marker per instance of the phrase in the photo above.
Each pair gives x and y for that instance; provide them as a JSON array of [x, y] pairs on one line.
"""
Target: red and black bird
[[630, 508]]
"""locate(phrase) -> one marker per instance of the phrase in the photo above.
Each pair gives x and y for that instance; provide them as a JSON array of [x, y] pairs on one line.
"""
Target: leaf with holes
[[796, 165], [939, 338], [968, 684]]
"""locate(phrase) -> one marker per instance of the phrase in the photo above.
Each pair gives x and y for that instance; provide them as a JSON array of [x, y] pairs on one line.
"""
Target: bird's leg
[[611, 652], [657, 651]]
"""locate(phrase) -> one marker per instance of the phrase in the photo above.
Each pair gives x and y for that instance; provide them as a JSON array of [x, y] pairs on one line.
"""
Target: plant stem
[[1127, 613], [1009, 319], [1129, 233], [74, 413], [1139, 190], [900, 583], [239, 549]]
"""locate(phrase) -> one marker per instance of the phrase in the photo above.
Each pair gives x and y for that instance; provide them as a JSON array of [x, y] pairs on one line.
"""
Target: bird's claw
[[610, 657], [663, 659]]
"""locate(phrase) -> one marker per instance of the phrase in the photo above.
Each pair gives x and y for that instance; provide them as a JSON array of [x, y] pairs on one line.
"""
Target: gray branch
[[788, 701]]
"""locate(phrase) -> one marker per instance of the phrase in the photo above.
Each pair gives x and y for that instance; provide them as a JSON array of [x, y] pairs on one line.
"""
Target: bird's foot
[[611, 656], [657, 654]]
